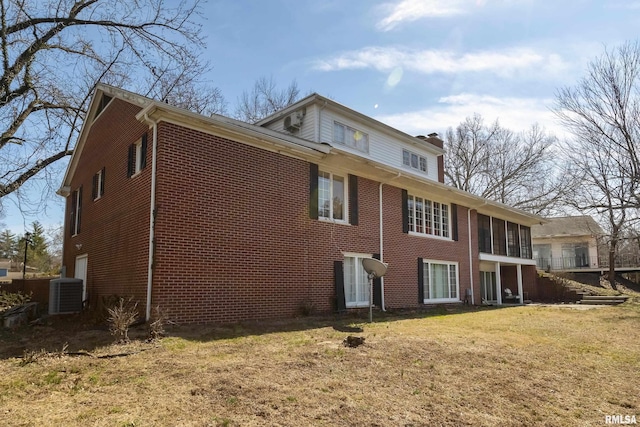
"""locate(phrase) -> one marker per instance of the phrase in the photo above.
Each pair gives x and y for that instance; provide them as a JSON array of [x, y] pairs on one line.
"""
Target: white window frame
[[137, 157], [98, 185], [348, 137], [429, 216], [426, 266], [407, 160], [76, 223], [362, 280], [345, 195]]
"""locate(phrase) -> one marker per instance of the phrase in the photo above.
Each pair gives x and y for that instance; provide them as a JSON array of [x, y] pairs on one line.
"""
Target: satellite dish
[[374, 267]]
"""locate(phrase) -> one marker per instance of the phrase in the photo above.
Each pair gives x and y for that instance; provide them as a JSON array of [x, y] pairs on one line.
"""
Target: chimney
[[432, 139]]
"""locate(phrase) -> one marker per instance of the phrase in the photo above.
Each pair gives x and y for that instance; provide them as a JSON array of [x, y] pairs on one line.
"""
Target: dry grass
[[482, 367]]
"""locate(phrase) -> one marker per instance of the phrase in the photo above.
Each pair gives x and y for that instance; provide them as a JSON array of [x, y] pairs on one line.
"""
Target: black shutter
[[72, 214], [102, 183], [313, 191], [94, 187], [143, 152], [405, 211], [353, 199], [131, 162], [377, 287], [454, 222], [420, 281], [338, 278], [79, 212]]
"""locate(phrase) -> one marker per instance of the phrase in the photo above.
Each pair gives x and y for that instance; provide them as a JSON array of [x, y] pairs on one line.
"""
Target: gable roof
[[293, 146], [582, 225], [323, 102], [217, 124]]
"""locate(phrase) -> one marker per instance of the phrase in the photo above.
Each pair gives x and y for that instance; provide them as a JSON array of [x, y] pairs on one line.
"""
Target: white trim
[[430, 236], [483, 256], [345, 204], [84, 277], [447, 263], [433, 217], [358, 265]]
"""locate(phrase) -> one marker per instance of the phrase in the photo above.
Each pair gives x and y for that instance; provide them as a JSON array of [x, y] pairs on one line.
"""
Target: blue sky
[[418, 65]]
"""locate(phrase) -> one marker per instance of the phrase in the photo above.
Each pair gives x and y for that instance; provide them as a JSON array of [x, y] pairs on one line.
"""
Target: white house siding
[[382, 148], [309, 125]]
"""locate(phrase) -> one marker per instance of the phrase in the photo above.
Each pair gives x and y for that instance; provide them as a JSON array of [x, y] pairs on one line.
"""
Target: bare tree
[[603, 113], [53, 52], [265, 99], [518, 169]]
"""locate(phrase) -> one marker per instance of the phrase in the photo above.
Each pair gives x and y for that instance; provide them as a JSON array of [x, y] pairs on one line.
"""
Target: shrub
[[120, 317], [8, 300]]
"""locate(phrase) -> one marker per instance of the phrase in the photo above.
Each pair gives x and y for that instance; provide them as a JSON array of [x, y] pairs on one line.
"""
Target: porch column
[[519, 275], [498, 284]]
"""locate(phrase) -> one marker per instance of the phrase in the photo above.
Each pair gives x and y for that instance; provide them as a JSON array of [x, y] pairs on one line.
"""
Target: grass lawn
[[516, 366]]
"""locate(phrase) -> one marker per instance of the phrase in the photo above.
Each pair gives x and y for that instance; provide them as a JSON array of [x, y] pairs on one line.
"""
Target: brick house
[[217, 220]]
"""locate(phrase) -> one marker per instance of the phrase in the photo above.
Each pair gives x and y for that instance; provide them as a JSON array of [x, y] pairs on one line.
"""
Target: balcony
[[576, 263]]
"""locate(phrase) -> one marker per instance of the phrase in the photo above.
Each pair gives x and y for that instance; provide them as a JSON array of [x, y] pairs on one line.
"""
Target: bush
[[8, 300], [120, 317]]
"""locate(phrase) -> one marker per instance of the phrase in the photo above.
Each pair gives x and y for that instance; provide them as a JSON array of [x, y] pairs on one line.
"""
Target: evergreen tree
[[8, 245]]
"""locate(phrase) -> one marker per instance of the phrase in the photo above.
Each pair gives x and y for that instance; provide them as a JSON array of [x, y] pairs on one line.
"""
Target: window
[[484, 233], [97, 189], [440, 280], [332, 196], [513, 240], [414, 161], [356, 282], [3, 272], [525, 242], [488, 285], [499, 237], [137, 156], [350, 137], [76, 210], [428, 217]]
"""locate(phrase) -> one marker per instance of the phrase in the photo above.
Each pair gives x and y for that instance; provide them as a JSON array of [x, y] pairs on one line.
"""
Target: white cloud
[[430, 61], [517, 114], [412, 10]]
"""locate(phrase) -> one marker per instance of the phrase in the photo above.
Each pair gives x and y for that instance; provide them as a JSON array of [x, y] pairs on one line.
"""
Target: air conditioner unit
[[65, 295], [293, 122]]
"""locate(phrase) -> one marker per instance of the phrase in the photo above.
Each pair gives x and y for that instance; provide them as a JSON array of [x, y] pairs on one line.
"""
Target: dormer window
[[414, 161], [343, 134]]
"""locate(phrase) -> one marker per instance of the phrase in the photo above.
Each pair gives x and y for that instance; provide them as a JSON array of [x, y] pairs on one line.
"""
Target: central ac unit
[[65, 295]]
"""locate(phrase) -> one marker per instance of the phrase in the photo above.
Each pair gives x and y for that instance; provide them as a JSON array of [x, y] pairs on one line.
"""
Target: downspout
[[470, 256], [381, 250], [152, 214]]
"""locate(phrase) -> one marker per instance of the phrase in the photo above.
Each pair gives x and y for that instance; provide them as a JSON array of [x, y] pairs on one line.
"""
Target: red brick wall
[[115, 228], [403, 250], [509, 279], [234, 238]]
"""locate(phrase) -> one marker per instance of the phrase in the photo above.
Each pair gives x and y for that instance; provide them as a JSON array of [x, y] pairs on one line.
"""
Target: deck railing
[[578, 262]]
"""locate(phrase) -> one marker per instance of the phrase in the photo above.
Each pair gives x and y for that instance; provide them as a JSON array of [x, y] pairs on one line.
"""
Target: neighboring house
[[566, 243], [214, 219]]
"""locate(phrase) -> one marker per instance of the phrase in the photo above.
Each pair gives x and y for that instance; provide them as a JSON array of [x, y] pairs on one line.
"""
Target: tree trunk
[[612, 266]]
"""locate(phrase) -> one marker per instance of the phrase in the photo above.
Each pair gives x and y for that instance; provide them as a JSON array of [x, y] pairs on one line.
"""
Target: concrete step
[[601, 302], [605, 297]]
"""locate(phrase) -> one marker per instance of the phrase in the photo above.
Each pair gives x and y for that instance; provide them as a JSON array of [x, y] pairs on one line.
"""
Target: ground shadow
[[83, 333]]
